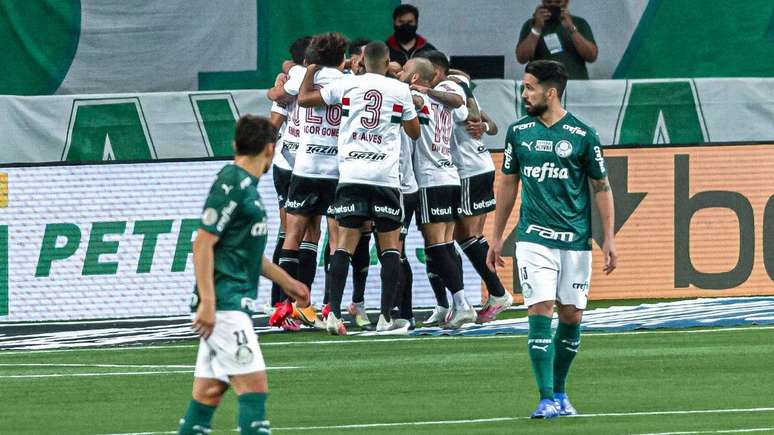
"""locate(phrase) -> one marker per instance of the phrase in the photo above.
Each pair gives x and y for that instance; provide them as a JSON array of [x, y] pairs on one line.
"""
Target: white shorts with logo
[[232, 349], [548, 274]]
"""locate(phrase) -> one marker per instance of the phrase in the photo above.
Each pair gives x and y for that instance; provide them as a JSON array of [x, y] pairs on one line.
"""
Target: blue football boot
[[563, 405], [545, 409]]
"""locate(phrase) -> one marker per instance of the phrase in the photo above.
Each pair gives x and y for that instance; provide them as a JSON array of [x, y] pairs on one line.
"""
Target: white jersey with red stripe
[[288, 135], [318, 127], [408, 181], [470, 156], [433, 164], [369, 143]]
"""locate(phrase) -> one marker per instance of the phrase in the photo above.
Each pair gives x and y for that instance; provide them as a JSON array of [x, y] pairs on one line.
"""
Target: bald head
[[422, 68], [376, 57]]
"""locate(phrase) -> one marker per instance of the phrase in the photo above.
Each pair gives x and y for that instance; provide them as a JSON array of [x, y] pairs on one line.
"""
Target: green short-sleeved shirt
[[554, 165], [568, 55], [233, 211]]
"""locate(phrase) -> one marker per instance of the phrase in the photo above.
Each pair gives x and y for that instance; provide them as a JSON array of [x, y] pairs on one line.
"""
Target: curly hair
[[328, 49]]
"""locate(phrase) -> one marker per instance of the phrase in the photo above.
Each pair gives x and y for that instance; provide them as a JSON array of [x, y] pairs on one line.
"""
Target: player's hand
[[419, 88], [475, 129], [204, 322], [494, 255], [566, 19], [280, 80], [540, 17], [611, 256], [314, 67], [299, 292]]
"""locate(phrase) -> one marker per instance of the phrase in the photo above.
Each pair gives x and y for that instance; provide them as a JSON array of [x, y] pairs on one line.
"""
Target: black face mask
[[405, 32]]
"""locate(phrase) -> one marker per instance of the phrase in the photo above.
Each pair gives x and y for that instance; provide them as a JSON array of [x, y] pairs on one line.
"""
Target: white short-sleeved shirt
[[288, 135], [433, 165], [318, 128], [369, 141], [470, 156], [408, 181]]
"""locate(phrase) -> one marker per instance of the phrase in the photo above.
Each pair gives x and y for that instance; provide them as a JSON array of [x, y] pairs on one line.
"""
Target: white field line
[[404, 339], [73, 375], [497, 419], [134, 366], [756, 429]]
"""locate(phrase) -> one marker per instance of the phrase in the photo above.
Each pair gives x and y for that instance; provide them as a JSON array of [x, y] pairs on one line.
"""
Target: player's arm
[[277, 92], [204, 270], [411, 127], [293, 288], [603, 198], [485, 126], [491, 125], [276, 120], [308, 96], [505, 199]]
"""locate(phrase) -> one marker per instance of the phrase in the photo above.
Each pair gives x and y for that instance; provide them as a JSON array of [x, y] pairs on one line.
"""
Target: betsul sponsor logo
[[437, 211], [387, 209], [483, 204]]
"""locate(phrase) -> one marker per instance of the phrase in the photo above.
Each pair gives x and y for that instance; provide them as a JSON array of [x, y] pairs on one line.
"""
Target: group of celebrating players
[[368, 144]]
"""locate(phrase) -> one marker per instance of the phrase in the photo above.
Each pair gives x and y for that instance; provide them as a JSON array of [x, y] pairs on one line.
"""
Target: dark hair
[[298, 49], [252, 134], [437, 58], [549, 73], [356, 45], [327, 49], [374, 52], [402, 10]]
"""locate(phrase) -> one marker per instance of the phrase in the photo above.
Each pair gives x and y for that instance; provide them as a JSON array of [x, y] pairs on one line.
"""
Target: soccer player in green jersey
[[228, 259], [557, 158]]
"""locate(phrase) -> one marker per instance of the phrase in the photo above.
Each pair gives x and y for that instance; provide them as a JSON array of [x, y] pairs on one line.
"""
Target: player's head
[[356, 54], [376, 57], [440, 63], [254, 136], [417, 70], [405, 19], [560, 3], [327, 49], [543, 85], [298, 49]]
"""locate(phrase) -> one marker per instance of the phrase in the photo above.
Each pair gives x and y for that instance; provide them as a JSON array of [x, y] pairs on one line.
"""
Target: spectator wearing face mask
[[405, 43]]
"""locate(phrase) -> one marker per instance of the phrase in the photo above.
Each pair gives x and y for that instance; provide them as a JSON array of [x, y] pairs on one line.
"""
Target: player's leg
[[207, 392], [426, 201], [281, 185], [361, 260], [572, 297], [538, 268], [348, 234], [406, 281], [461, 312], [389, 256], [252, 391], [307, 252]]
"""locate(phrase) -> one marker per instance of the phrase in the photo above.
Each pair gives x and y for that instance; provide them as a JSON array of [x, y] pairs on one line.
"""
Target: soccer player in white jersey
[[439, 191], [284, 118], [315, 173], [558, 160], [374, 109], [476, 170]]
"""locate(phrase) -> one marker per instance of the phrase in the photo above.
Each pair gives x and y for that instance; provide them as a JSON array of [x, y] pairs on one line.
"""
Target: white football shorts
[[232, 349], [548, 274]]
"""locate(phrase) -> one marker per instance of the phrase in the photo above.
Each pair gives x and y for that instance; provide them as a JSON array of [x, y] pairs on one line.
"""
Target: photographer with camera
[[553, 34]]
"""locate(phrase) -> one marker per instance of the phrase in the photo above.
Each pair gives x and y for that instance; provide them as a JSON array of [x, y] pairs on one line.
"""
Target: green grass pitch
[[693, 381]]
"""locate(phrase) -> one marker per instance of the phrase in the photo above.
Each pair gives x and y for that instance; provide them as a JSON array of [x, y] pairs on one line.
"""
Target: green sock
[[541, 352], [566, 344], [196, 420], [252, 414]]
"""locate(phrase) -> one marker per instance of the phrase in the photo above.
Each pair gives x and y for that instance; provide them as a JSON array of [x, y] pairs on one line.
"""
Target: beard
[[537, 109]]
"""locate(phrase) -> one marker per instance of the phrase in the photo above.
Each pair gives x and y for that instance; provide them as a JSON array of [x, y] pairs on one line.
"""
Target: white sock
[[459, 300]]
